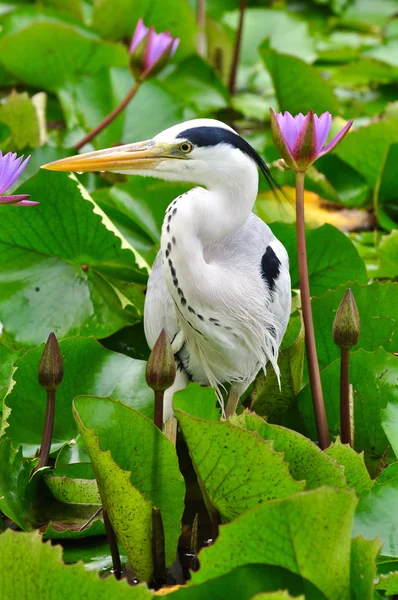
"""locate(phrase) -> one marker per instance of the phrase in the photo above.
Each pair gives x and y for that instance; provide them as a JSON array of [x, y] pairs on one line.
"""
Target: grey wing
[[159, 311]]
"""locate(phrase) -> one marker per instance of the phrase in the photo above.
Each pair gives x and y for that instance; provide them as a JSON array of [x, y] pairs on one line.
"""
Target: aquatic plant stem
[[111, 117], [201, 23], [48, 430], [158, 417], [313, 366], [345, 413], [238, 43], [112, 541]]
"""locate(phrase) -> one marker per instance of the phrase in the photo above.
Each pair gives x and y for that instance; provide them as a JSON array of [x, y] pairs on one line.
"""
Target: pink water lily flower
[[301, 139], [11, 168], [149, 51]]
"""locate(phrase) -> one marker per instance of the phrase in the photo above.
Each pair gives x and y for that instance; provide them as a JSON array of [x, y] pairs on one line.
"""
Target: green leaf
[[17, 492], [378, 311], [376, 515], [373, 140], [260, 24], [62, 530], [7, 359], [387, 252], [236, 469], [346, 185], [89, 369], [276, 596], [194, 83], [137, 447], [299, 87], [332, 257], [374, 377], [309, 534], [129, 512], [355, 471], [306, 461], [96, 557], [244, 581], [389, 420], [19, 114], [66, 50], [388, 583], [152, 110], [46, 577], [385, 191], [197, 401], [73, 484], [365, 72], [363, 567], [50, 244], [87, 102], [270, 399]]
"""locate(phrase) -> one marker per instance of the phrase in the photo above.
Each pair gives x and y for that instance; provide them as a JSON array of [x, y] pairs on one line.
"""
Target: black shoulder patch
[[211, 136], [270, 267]]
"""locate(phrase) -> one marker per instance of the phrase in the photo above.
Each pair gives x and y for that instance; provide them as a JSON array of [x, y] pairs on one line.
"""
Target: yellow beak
[[139, 156]]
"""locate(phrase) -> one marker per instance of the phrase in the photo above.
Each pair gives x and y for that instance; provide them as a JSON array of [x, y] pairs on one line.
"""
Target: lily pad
[[198, 401], [376, 515], [66, 49], [47, 577], [309, 534], [363, 567], [378, 311], [129, 512], [306, 461], [236, 469], [144, 459], [355, 471], [332, 257], [65, 247]]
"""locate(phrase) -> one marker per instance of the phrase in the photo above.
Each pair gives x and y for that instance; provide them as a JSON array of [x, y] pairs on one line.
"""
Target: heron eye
[[185, 147]]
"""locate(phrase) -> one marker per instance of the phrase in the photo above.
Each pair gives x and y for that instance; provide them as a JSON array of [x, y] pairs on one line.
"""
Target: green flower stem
[[48, 430], [105, 122], [313, 366], [238, 43], [158, 417], [112, 541], [345, 413]]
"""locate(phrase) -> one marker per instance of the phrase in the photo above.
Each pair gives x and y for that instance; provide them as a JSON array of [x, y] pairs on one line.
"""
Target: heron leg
[[233, 398], [180, 383]]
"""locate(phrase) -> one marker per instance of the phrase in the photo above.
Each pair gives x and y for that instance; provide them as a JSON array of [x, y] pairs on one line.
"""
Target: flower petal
[[304, 151], [337, 139], [20, 199], [289, 130], [322, 128], [157, 46], [277, 122], [174, 46], [139, 34]]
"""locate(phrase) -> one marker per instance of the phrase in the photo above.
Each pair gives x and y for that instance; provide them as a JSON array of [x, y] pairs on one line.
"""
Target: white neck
[[201, 216]]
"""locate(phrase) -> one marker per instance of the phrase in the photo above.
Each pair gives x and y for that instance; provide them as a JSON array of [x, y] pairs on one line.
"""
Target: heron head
[[198, 151]]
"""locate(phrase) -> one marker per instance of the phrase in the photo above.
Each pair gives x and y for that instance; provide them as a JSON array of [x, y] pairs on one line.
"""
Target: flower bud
[[150, 51], [347, 326], [51, 367], [161, 367]]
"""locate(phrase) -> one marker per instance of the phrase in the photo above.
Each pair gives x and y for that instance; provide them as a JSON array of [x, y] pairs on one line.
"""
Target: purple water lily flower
[[301, 139], [149, 51], [10, 169]]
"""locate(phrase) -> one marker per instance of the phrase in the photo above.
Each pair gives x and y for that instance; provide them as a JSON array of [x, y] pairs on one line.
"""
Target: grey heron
[[220, 284]]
